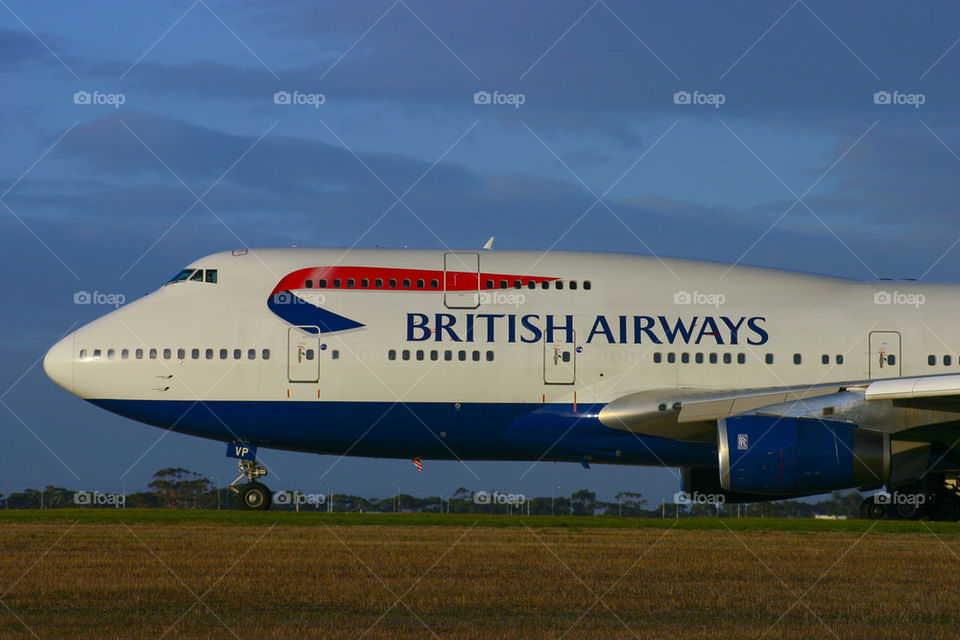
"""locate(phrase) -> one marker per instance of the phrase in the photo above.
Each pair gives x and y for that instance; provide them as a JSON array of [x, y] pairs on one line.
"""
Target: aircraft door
[[303, 354], [560, 359], [461, 278], [884, 354]]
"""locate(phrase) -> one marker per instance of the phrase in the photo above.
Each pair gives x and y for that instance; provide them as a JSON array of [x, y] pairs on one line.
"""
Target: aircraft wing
[[692, 414]]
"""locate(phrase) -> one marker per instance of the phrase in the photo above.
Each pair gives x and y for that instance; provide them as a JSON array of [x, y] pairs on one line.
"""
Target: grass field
[[132, 573]]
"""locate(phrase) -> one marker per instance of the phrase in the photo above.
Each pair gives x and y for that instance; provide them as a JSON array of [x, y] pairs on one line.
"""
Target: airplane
[[757, 383]]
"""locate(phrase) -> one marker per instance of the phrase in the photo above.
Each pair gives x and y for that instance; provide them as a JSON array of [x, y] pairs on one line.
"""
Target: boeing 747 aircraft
[[758, 383]]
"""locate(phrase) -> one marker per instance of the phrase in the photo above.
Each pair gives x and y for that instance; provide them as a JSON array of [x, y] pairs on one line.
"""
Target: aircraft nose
[[58, 363]]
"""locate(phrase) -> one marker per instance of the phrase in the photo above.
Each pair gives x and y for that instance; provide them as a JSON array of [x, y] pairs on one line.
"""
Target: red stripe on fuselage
[[406, 279]]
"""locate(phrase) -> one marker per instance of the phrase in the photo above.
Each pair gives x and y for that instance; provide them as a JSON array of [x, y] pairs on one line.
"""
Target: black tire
[[877, 511], [255, 496]]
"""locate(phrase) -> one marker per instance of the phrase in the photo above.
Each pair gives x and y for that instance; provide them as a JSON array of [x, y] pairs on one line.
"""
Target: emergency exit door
[[884, 354], [560, 359], [303, 354], [461, 280]]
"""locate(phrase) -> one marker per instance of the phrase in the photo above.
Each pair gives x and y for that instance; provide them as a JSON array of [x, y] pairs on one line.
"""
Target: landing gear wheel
[[255, 496], [877, 511]]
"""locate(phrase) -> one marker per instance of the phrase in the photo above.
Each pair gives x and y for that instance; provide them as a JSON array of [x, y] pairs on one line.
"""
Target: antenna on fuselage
[[489, 244]]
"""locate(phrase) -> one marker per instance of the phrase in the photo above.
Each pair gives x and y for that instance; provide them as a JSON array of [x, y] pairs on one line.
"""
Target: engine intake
[[789, 456]]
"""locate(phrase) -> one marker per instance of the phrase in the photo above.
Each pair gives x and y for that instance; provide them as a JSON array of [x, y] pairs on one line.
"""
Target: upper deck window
[[194, 275]]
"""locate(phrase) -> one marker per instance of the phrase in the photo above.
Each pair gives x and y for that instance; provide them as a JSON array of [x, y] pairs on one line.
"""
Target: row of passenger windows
[[714, 358], [167, 354], [408, 283], [448, 355], [946, 361]]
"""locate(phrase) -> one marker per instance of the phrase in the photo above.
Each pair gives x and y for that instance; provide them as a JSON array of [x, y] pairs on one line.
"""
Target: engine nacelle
[[788, 456]]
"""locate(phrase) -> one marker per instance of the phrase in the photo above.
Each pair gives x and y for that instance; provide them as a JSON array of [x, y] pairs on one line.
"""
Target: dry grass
[[208, 580]]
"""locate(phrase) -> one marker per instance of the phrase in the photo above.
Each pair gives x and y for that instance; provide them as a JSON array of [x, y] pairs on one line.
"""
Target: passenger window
[[322, 283], [565, 356], [393, 283], [406, 283], [405, 354], [434, 354], [309, 284], [420, 283], [462, 355], [351, 283], [768, 358], [111, 354], [839, 358], [891, 360], [573, 284], [671, 357], [947, 361], [699, 358], [727, 358], [308, 354], [531, 284], [197, 276], [166, 354], [825, 359], [558, 284], [125, 354], [448, 355], [420, 355], [181, 354], [713, 358], [83, 354], [251, 354], [489, 284], [139, 354], [195, 354], [392, 354], [741, 358], [489, 356], [684, 357], [378, 283], [223, 354], [265, 354], [797, 359], [657, 357], [236, 354], [434, 284], [503, 284], [517, 284], [586, 285], [364, 282], [336, 283], [931, 360], [335, 354], [545, 284], [211, 275], [153, 354]]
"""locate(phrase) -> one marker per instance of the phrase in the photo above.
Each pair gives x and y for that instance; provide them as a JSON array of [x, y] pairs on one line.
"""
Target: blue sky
[[800, 167]]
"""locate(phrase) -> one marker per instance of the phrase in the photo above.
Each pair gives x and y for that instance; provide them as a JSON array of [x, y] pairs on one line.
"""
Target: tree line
[[178, 488]]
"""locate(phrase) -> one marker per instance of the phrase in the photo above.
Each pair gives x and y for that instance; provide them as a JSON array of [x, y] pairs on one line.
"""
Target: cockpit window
[[194, 275], [180, 277]]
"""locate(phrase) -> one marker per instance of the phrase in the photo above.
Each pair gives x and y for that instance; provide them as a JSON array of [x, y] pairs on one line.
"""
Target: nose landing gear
[[254, 495]]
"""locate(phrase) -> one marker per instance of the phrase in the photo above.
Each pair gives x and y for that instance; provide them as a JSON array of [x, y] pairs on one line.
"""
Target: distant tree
[[180, 488], [584, 502]]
